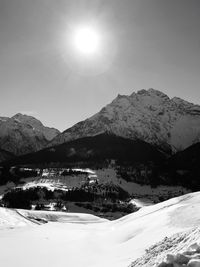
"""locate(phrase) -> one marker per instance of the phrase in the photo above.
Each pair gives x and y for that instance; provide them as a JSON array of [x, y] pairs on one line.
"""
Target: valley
[[103, 192], [133, 162], [99, 133]]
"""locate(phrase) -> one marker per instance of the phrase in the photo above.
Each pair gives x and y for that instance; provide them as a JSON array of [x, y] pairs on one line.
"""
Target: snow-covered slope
[[75, 240], [22, 134], [49, 133], [148, 115], [10, 218], [179, 250]]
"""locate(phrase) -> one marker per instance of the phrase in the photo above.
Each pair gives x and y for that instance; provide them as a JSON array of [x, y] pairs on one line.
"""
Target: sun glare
[[87, 47], [86, 40]]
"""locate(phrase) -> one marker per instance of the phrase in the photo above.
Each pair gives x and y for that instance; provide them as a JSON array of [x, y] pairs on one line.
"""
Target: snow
[[103, 176], [52, 181], [110, 174], [50, 184], [176, 251], [11, 219], [28, 134], [140, 203], [148, 115], [74, 240]]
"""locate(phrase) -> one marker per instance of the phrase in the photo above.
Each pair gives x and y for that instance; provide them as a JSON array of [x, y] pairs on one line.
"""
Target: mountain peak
[[149, 115], [22, 134], [152, 92], [23, 117], [18, 115], [26, 119]]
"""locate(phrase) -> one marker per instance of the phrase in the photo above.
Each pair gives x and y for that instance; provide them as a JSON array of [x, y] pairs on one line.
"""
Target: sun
[[86, 40], [87, 47]]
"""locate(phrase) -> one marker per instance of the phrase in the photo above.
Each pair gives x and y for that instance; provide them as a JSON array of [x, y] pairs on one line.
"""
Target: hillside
[[5, 155], [23, 134], [148, 115], [95, 149], [118, 158], [188, 159], [80, 239]]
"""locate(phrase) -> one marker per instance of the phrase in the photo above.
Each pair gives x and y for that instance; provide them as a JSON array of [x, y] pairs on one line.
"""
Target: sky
[[143, 44]]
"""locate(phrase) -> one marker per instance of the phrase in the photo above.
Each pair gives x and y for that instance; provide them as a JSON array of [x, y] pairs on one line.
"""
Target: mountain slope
[[5, 155], [148, 115], [23, 134], [94, 149], [99, 242], [184, 167], [188, 159]]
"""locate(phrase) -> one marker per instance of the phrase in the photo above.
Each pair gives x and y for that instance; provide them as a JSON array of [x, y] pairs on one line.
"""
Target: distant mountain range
[[156, 136], [148, 115], [23, 134]]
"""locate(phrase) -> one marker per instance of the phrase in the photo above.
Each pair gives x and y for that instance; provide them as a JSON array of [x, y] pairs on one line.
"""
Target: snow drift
[[74, 240]]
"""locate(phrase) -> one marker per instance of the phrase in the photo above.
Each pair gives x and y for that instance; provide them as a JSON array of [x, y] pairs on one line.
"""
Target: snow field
[[84, 240]]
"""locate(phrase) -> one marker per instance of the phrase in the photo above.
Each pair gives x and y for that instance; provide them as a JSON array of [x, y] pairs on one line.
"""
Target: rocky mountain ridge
[[149, 115], [23, 134]]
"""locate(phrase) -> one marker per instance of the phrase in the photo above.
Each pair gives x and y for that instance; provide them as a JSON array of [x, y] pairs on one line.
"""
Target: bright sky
[[139, 44]]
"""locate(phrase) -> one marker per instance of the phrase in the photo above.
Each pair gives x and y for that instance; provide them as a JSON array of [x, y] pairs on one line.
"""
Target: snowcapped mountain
[[49, 133], [148, 115], [23, 134]]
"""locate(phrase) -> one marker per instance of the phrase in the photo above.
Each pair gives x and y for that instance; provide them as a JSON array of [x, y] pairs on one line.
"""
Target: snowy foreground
[[144, 238]]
